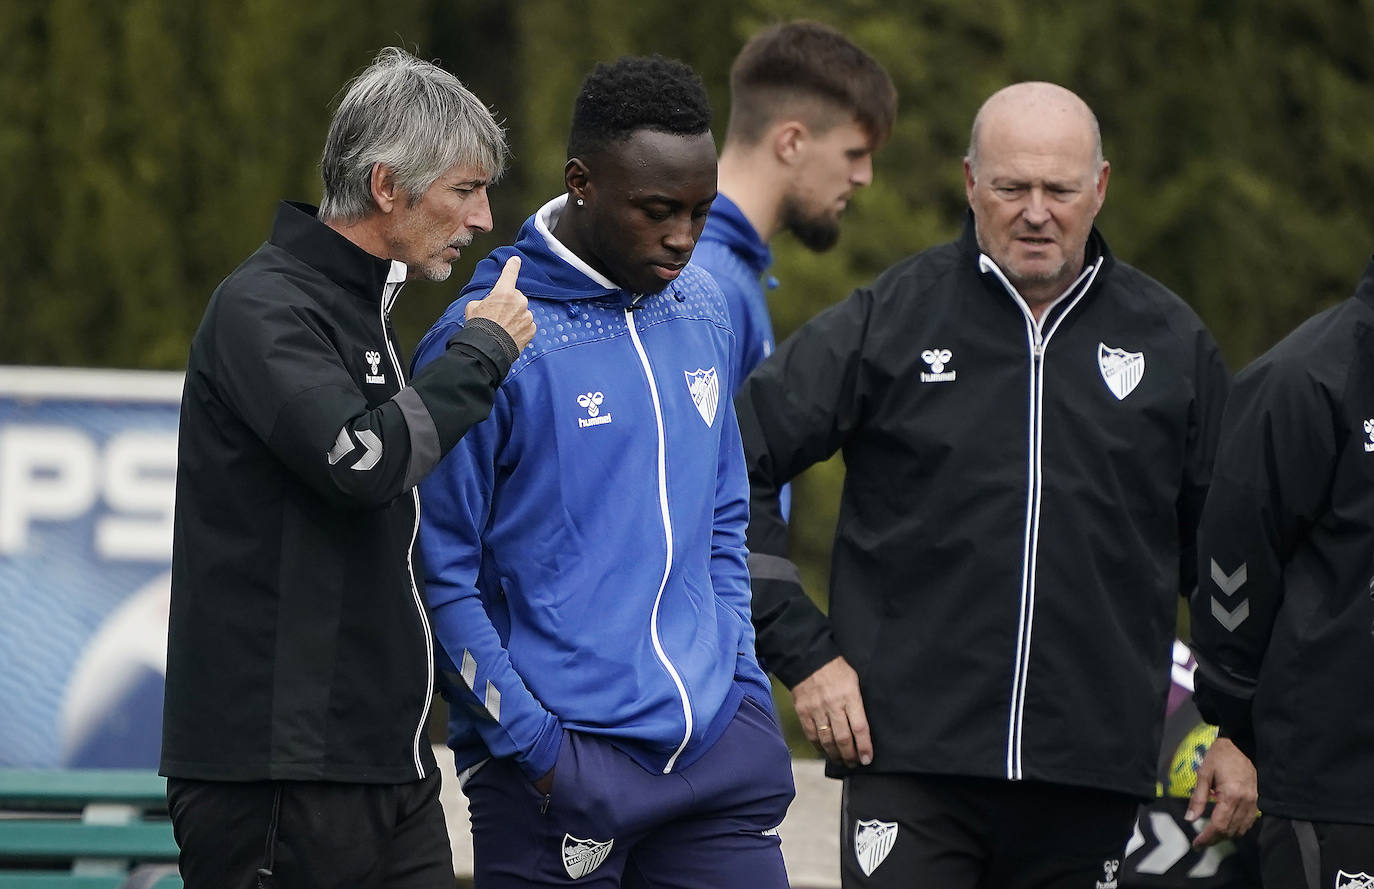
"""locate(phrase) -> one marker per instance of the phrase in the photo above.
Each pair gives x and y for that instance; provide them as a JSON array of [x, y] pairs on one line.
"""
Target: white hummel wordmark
[[374, 359], [705, 388], [592, 402], [1121, 370], [872, 842], [937, 359]]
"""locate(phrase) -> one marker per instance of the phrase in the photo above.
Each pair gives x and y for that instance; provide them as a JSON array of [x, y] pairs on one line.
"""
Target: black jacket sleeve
[[1212, 385], [281, 372], [795, 411], [1273, 471]]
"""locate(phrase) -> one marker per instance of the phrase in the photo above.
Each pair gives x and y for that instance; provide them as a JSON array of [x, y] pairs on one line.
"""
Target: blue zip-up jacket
[[732, 251], [584, 546]]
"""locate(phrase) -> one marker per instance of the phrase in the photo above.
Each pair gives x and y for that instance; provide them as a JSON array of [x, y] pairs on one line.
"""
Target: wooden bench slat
[[61, 879], [21, 838], [53, 879], [67, 788]]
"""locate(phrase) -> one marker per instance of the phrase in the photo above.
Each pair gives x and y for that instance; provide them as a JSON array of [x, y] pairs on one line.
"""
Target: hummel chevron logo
[[1171, 844], [374, 450], [343, 446], [1229, 583], [1230, 619]]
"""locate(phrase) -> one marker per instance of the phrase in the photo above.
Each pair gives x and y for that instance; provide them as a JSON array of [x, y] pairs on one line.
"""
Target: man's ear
[[576, 179], [384, 189], [789, 140]]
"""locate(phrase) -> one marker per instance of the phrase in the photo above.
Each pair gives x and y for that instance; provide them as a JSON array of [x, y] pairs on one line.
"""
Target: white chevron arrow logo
[[1172, 845], [1230, 619], [1229, 583], [374, 449], [1210, 862]]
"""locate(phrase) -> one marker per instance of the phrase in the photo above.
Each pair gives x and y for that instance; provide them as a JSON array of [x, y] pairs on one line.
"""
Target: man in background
[[807, 110], [300, 666]]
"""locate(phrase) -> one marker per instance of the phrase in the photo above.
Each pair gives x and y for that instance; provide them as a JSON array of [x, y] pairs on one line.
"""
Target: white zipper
[[668, 541], [1037, 341], [388, 299]]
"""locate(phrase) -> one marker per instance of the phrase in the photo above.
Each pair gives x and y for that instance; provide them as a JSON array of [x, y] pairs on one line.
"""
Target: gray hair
[[413, 117]]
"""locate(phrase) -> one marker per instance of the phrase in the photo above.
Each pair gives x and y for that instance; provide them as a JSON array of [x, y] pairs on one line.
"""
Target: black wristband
[[504, 341]]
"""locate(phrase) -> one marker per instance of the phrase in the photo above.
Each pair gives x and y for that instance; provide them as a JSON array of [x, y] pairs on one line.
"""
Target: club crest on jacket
[[1121, 370], [705, 388]]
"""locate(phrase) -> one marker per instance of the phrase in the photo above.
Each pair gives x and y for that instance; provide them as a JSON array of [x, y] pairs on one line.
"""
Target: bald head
[[1035, 108]]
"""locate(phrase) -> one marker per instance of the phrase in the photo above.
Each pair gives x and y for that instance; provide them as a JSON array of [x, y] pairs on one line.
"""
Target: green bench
[[85, 829]]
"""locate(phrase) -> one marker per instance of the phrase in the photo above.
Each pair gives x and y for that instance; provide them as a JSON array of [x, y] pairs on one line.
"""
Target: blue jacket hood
[[545, 272], [728, 226]]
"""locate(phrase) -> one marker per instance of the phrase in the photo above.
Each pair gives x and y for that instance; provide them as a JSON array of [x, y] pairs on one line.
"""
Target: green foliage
[[150, 140]]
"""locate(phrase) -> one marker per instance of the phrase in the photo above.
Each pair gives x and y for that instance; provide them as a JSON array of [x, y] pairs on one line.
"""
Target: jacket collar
[[1096, 249], [298, 230], [728, 225]]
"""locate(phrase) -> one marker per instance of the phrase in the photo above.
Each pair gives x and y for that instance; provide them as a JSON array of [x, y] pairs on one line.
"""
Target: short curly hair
[[637, 93]]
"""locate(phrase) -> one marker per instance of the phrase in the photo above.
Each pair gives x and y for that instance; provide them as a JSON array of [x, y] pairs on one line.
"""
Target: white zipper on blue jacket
[[1037, 340], [668, 540], [388, 300]]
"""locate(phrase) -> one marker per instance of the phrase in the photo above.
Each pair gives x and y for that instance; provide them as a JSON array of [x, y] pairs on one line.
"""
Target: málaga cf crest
[[705, 388], [581, 857], [1121, 370], [872, 841]]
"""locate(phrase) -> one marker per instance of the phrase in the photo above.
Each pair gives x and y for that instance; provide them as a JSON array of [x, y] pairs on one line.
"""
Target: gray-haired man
[[299, 660]]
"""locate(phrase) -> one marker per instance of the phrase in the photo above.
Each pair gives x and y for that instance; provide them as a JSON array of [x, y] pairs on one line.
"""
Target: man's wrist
[[484, 328]]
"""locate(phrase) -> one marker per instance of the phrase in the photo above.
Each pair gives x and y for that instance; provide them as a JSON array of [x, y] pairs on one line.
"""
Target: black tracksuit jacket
[[1283, 620], [299, 645], [1017, 517]]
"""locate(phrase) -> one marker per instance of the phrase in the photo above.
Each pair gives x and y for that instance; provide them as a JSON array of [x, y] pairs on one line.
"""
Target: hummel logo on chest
[[937, 359], [374, 360], [592, 402]]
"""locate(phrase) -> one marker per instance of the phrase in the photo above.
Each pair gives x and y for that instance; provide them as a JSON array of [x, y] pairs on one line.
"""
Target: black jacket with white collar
[[1018, 513], [299, 645]]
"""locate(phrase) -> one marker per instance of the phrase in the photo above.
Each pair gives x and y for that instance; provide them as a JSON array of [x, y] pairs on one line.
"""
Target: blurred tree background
[[161, 133]]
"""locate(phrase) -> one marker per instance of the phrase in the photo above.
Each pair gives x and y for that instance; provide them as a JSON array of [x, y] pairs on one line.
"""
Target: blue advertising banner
[[87, 471]]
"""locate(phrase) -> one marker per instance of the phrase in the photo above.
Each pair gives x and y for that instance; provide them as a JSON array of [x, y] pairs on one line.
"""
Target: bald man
[[1027, 427]]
